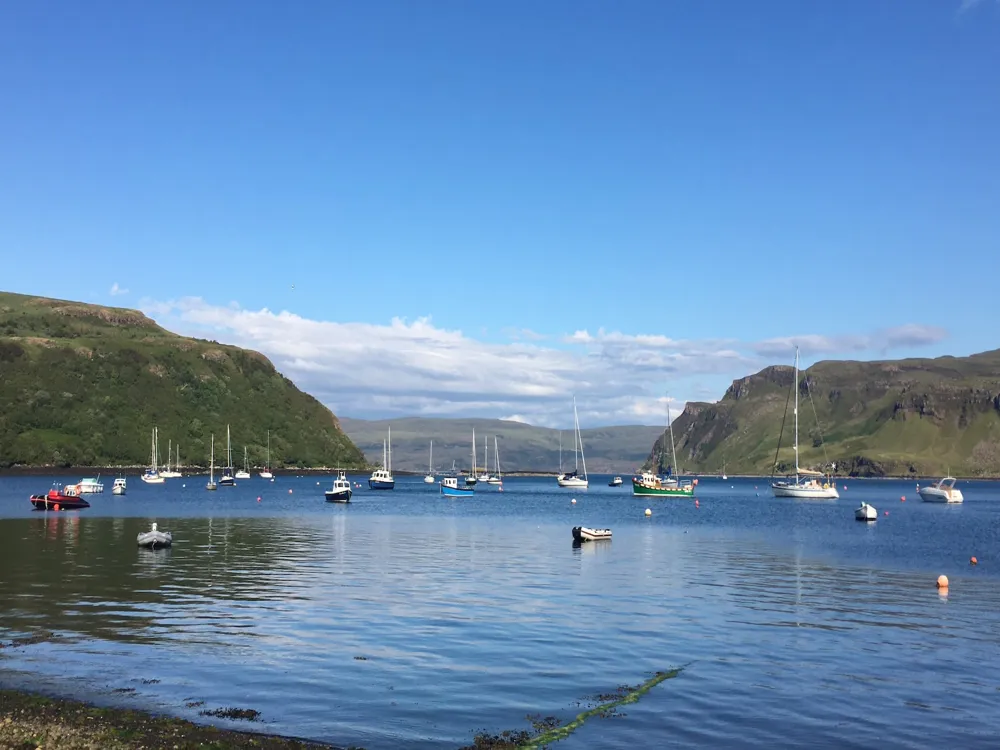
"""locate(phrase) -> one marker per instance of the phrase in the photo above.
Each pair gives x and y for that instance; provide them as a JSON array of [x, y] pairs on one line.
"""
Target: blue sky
[[603, 198]]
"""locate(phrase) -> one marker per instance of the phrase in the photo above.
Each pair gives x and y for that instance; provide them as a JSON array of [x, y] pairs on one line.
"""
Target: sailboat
[[430, 466], [151, 475], [227, 479], [485, 476], [266, 474], [471, 480], [497, 478], [651, 484], [724, 470], [244, 473], [211, 468], [167, 473], [573, 478], [806, 484], [381, 479]]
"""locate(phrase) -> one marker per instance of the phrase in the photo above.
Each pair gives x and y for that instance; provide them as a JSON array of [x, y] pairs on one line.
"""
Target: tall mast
[[390, 451], [473, 451], [486, 454], [670, 426], [576, 438], [268, 450], [430, 461], [560, 452], [385, 461], [211, 464], [796, 386]]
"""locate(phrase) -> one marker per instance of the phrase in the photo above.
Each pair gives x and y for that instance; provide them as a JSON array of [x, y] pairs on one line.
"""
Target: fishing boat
[[341, 492], [151, 475], [266, 473], [497, 477], [68, 498], [169, 473], [943, 491], [866, 513], [586, 534], [227, 479], [381, 479], [807, 484], [211, 485], [118, 488], [90, 486], [470, 481], [573, 479], [154, 538], [429, 479], [450, 488], [244, 473], [652, 485], [616, 482]]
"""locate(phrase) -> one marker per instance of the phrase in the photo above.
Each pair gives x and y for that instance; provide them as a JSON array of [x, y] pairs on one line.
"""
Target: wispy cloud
[[970, 4], [117, 291], [412, 367]]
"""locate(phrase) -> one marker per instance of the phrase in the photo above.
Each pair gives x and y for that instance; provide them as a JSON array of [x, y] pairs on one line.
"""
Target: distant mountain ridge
[[907, 417], [84, 385], [523, 447]]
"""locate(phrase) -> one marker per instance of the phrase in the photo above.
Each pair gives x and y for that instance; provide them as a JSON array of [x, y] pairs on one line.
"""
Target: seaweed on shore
[[243, 714]]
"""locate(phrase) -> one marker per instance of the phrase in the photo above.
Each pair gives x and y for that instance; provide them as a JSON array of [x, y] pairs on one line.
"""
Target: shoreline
[[31, 719]]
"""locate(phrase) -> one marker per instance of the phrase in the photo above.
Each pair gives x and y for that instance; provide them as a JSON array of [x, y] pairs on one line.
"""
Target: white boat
[[429, 479], [485, 476], [227, 479], [497, 478], [573, 479], [151, 475], [341, 492], [169, 473], [90, 486], [211, 468], [616, 482], [586, 534], [807, 484], [382, 479], [155, 538], [470, 481], [866, 513], [244, 473], [266, 474], [944, 491], [724, 470], [118, 488]]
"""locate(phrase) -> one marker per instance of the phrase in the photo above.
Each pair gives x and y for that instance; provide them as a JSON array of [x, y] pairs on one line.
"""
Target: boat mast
[[390, 451], [486, 454], [211, 463], [579, 436], [473, 452], [560, 452], [496, 455], [796, 387], [430, 461], [268, 467], [670, 426]]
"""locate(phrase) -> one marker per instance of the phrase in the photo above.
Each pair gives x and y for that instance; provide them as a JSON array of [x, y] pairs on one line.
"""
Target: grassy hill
[[83, 385], [523, 447], [905, 417]]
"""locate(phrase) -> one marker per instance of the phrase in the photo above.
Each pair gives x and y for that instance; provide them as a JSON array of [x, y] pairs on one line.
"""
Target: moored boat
[[119, 486], [227, 479], [650, 484], [450, 488], [866, 512], [66, 499], [154, 538], [429, 479], [587, 534], [573, 479], [244, 473], [382, 479], [266, 473], [151, 475], [341, 491], [90, 486], [942, 491], [616, 482]]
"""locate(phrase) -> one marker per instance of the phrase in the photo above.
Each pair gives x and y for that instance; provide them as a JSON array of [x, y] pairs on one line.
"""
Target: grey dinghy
[[585, 534], [155, 538]]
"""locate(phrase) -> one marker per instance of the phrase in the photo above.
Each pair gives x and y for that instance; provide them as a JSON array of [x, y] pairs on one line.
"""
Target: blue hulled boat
[[450, 488]]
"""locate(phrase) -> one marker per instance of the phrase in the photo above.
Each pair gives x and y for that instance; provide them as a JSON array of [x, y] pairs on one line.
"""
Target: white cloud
[[412, 367], [515, 418], [910, 335], [117, 291]]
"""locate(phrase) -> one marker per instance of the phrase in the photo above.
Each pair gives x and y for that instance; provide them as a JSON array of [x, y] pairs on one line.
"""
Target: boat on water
[[866, 512], [807, 484], [573, 479], [151, 475], [653, 485], [118, 488], [244, 473], [484, 476], [227, 479], [169, 473], [470, 481], [724, 470], [341, 491], [382, 479], [616, 482], [429, 479], [451, 488], [211, 485], [266, 473], [942, 491], [587, 534], [90, 486], [154, 538], [497, 477], [68, 498]]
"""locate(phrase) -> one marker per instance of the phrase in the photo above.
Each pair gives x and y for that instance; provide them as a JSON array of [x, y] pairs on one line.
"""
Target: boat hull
[[585, 534], [805, 493], [934, 495], [266, 475], [338, 496], [56, 501], [381, 484], [429, 479], [866, 513], [573, 482], [153, 480], [641, 490], [117, 490], [155, 539], [227, 482], [457, 491]]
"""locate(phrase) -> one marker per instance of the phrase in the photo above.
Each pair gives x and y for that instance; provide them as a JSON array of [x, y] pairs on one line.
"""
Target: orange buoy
[[55, 507], [887, 512], [696, 504], [973, 560], [258, 498], [942, 582], [902, 499]]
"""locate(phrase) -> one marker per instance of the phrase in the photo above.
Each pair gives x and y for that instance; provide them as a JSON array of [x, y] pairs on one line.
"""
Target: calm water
[[798, 625]]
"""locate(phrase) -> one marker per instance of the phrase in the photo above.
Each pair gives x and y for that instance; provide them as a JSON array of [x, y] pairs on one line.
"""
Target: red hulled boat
[[67, 499]]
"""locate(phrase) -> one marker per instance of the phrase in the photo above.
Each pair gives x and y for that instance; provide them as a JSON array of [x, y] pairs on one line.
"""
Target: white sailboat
[[429, 479], [211, 468], [227, 479], [724, 470], [244, 473], [169, 473], [471, 480], [382, 479], [573, 478], [485, 476], [497, 478], [151, 475], [806, 484], [266, 474]]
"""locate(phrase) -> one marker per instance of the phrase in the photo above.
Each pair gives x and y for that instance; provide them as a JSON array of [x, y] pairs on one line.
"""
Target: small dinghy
[[155, 538], [585, 534], [341, 492], [866, 513]]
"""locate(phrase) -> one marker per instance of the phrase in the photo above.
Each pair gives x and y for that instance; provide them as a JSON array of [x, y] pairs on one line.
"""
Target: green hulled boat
[[650, 484]]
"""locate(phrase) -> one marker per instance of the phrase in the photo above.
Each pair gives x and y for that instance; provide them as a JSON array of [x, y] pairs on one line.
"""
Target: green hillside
[[83, 385], [523, 447], [907, 417]]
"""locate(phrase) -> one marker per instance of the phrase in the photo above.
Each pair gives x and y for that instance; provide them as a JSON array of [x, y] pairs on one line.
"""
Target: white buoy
[[649, 512], [573, 501]]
